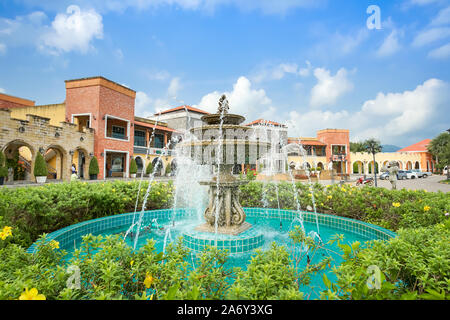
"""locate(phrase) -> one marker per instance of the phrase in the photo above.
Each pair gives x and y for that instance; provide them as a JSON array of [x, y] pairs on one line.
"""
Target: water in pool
[[272, 229]]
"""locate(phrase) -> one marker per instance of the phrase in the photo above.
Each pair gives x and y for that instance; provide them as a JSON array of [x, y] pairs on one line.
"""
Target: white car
[[411, 175]]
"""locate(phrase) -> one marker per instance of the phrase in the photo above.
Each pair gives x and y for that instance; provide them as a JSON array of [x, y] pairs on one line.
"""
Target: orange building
[[426, 159]]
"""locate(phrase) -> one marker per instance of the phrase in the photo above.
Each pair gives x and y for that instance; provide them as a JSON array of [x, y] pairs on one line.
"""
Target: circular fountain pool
[[268, 226]]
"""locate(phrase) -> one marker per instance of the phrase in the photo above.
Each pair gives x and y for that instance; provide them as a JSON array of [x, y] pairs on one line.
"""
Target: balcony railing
[[154, 151]]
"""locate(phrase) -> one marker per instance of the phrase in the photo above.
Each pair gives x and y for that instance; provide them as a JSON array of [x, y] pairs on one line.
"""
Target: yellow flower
[[54, 244], [32, 294], [396, 204], [131, 262], [426, 208], [344, 190], [330, 197], [5, 233], [310, 195], [113, 190], [148, 280]]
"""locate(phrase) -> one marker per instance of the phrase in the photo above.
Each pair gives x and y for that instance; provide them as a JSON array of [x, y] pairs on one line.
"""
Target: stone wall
[[38, 135]]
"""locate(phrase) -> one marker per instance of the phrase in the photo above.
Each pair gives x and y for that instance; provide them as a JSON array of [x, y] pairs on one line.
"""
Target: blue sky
[[312, 64]]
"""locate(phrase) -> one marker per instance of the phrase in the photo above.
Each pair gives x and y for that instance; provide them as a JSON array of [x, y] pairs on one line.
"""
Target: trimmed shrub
[[93, 166], [149, 169], [40, 166], [3, 168], [2, 159], [168, 169], [133, 166]]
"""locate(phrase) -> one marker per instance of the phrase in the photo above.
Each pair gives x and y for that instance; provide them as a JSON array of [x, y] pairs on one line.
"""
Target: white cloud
[[243, 99], [441, 52], [390, 45], [158, 75], [73, 31], [431, 35], [278, 72], [2, 48], [2, 90], [399, 114], [329, 88], [143, 104], [391, 117], [305, 72], [442, 18], [174, 87]]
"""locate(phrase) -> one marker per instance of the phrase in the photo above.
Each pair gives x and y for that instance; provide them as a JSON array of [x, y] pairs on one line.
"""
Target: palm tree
[[373, 146], [439, 147]]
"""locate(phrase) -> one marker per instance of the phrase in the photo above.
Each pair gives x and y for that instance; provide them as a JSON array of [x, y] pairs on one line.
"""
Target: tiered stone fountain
[[224, 214]]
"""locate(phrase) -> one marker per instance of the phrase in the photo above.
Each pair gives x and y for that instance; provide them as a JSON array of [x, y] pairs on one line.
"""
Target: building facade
[[98, 119]]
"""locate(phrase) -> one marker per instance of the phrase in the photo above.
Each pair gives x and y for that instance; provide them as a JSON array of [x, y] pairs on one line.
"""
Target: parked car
[[411, 175], [422, 174], [384, 176], [401, 175]]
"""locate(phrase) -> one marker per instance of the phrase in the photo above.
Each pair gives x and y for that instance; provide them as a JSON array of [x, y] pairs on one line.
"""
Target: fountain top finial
[[224, 106]]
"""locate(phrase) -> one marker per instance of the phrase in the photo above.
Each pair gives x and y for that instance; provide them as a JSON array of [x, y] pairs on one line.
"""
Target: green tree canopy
[[439, 147], [357, 147], [372, 146]]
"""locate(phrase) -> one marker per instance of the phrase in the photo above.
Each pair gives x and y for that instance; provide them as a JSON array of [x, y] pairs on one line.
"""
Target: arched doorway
[[409, 165], [417, 166], [320, 166], [55, 157], [80, 161], [139, 164], [371, 171], [19, 160], [358, 167], [158, 166]]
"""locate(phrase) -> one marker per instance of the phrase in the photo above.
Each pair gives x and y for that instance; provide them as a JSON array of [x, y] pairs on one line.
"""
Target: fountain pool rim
[[73, 232]]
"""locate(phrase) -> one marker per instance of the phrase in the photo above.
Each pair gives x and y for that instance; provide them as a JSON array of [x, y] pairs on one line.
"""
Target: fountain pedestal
[[224, 213]]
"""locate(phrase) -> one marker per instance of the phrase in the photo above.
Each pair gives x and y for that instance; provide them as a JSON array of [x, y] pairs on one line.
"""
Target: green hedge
[[413, 266], [373, 205], [37, 210]]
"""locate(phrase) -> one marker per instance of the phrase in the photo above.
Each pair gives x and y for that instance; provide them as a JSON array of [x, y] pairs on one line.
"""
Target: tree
[[40, 166], [373, 147], [439, 147], [133, 166], [93, 167], [357, 147]]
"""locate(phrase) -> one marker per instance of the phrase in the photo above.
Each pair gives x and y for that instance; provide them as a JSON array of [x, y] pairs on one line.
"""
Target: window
[[139, 138], [339, 150], [118, 132], [159, 141]]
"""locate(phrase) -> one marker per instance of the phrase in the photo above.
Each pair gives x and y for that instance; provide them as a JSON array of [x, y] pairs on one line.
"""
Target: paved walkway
[[430, 184]]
